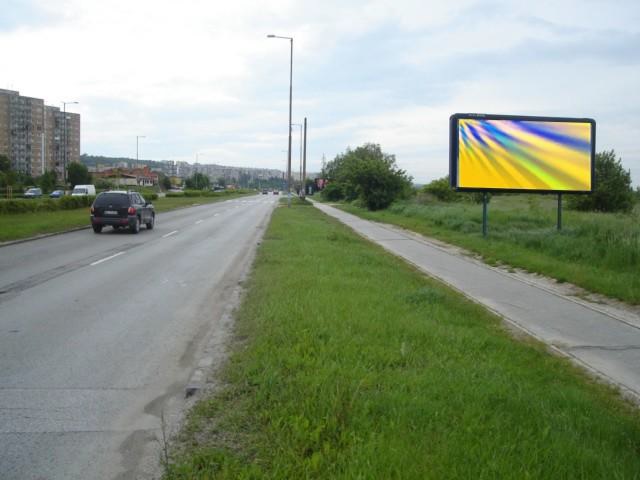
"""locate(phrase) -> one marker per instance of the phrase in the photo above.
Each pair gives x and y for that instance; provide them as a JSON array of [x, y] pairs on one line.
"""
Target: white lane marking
[[98, 262], [198, 222], [169, 234], [216, 214]]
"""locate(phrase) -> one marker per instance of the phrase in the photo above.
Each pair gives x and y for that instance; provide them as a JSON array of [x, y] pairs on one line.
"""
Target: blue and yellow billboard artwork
[[490, 152]]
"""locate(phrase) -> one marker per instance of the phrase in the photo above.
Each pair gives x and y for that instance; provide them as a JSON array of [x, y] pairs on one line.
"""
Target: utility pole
[[304, 162], [290, 107]]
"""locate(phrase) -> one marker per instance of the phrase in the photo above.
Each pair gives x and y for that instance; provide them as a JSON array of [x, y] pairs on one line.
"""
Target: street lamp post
[[64, 146], [195, 175], [138, 137], [289, 128]]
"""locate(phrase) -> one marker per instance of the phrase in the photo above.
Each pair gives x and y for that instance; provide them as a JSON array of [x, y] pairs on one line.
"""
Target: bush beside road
[[349, 364]]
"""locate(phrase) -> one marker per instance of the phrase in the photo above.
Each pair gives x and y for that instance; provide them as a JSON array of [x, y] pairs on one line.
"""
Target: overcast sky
[[201, 77]]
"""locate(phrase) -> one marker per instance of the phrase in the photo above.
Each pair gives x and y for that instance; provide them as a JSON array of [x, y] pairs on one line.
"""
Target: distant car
[[83, 190], [56, 194], [276, 192], [120, 209], [33, 193], [265, 191]]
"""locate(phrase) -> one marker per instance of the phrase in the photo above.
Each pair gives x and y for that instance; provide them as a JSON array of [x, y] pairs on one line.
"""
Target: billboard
[[521, 153]]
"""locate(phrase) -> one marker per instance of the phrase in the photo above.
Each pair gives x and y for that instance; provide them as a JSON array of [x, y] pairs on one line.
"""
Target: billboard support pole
[[559, 212], [484, 214]]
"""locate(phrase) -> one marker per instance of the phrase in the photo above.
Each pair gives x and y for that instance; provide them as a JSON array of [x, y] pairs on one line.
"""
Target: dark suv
[[121, 209]]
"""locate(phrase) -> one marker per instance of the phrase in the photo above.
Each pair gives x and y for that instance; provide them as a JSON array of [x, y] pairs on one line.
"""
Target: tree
[[5, 164], [369, 174], [613, 191], [77, 174], [166, 182], [198, 181], [47, 181]]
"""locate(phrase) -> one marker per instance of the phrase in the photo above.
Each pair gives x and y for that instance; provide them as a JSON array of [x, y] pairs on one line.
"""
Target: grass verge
[[25, 225], [350, 364], [597, 251]]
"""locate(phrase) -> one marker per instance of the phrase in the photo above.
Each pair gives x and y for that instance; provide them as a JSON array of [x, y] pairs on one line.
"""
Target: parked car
[[83, 190], [120, 209], [33, 193], [265, 191], [57, 194]]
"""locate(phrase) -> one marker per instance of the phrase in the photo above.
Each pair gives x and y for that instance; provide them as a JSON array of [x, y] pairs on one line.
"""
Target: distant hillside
[[241, 175], [93, 160]]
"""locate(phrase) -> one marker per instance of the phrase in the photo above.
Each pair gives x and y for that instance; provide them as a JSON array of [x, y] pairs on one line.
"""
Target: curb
[[198, 378]]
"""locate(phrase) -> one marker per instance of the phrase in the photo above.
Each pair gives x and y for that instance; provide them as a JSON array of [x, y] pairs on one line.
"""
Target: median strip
[[368, 369], [169, 234], [98, 262]]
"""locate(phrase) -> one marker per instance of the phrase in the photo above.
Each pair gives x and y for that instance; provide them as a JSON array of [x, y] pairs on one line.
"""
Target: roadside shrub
[[369, 174], [18, 206], [47, 205], [441, 189], [103, 184], [333, 192], [71, 203], [473, 197]]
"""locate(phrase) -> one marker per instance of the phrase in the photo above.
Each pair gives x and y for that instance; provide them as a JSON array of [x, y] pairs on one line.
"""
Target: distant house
[[145, 177], [136, 177]]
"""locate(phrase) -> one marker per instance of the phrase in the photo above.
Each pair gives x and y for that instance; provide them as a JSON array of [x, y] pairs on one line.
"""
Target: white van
[[83, 190]]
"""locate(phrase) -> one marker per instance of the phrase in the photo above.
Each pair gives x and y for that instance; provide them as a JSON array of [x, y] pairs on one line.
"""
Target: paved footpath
[[606, 343]]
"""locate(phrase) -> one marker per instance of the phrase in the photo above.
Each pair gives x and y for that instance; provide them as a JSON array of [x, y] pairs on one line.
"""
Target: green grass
[[597, 251], [25, 225], [350, 364]]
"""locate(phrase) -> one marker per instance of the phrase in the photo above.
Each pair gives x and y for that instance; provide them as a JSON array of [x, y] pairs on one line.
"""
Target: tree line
[[370, 177]]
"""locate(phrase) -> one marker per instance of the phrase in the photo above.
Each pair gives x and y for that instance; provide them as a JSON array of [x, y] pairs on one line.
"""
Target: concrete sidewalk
[[605, 342]]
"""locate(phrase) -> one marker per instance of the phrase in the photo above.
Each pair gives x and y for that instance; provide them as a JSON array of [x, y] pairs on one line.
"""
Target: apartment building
[[32, 134], [55, 139]]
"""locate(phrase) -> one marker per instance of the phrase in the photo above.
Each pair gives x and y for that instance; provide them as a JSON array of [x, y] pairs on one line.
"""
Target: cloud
[[201, 76]]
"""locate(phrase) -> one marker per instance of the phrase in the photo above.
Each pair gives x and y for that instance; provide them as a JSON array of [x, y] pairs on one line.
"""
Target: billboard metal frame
[[454, 160]]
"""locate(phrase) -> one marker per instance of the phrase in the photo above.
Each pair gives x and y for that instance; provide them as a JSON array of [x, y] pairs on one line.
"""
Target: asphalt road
[[99, 335]]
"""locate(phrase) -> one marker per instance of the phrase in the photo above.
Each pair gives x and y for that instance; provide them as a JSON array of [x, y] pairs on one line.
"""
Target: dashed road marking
[[98, 262], [169, 234], [199, 222]]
